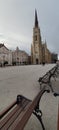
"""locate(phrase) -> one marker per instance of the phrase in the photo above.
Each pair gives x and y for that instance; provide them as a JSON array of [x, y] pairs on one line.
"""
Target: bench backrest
[[18, 115]]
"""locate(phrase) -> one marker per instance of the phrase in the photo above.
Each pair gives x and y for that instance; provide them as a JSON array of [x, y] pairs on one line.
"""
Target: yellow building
[[39, 51]]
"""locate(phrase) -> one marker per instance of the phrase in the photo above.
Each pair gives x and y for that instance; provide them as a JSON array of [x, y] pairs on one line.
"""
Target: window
[[35, 37]]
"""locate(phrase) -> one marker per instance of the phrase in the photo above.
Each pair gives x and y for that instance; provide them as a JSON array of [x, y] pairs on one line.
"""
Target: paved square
[[24, 80]]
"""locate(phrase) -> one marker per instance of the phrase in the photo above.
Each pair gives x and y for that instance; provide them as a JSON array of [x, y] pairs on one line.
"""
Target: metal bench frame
[[46, 79]]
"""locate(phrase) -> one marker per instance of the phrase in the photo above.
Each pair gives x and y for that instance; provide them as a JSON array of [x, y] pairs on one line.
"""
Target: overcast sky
[[17, 22]]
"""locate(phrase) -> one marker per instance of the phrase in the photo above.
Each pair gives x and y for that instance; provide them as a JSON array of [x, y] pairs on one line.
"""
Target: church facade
[[39, 51]]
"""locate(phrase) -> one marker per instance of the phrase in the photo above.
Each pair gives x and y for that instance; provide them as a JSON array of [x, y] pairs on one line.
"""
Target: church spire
[[36, 19]]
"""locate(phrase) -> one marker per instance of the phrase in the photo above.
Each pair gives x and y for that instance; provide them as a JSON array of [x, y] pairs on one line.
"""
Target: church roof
[[36, 19]]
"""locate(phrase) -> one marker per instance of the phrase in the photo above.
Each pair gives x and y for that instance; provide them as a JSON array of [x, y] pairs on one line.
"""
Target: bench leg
[[38, 113], [50, 85], [39, 117], [56, 94]]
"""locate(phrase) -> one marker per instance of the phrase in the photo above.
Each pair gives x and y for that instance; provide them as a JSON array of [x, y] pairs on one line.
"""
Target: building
[[39, 52], [19, 57], [5, 55], [54, 57], [46, 54], [36, 47]]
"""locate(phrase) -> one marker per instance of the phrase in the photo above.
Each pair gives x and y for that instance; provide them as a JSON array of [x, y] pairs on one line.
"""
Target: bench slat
[[22, 119], [13, 115]]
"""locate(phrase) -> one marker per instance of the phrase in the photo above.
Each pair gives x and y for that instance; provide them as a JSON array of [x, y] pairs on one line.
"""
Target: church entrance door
[[37, 61]]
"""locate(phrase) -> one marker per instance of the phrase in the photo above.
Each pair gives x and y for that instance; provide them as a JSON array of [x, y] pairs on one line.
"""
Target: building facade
[[16, 57], [54, 57], [5, 55], [46, 54], [19, 57], [39, 51]]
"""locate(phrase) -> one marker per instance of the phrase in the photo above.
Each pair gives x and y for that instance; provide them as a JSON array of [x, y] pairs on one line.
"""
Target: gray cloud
[[17, 22]]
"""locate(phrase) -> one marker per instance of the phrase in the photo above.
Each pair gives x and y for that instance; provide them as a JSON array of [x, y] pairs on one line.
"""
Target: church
[[39, 51]]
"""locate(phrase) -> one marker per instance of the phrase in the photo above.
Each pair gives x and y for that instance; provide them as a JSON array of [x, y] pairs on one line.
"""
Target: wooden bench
[[17, 114]]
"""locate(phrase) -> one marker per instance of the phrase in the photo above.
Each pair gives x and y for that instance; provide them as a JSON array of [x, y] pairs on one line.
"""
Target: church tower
[[36, 47]]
